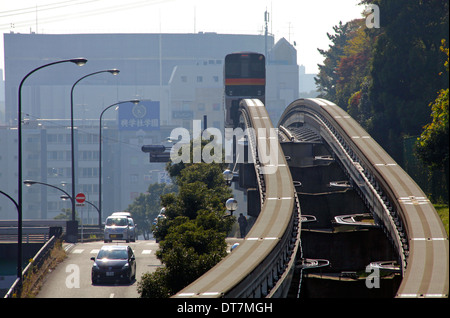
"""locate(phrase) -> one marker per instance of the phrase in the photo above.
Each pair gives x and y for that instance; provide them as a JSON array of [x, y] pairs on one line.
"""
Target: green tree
[[432, 146], [201, 188], [327, 78], [404, 69], [147, 206], [190, 249], [344, 78], [386, 77], [192, 233]]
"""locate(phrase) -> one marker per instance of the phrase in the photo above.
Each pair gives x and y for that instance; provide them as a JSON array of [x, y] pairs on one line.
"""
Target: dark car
[[114, 262]]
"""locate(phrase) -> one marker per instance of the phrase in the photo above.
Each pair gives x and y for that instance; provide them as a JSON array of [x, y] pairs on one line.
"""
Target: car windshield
[[112, 254], [117, 221]]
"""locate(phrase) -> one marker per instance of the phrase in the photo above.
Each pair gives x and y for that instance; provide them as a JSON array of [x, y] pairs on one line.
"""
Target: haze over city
[[304, 23]]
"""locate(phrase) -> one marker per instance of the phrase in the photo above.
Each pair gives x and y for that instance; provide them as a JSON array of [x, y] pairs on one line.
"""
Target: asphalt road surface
[[72, 277]]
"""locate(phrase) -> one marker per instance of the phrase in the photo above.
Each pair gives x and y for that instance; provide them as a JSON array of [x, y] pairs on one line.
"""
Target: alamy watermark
[[73, 279], [373, 17], [265, 139], [373, 279]]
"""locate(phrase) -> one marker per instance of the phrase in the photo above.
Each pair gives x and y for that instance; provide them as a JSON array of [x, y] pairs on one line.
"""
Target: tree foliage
[[405, 68], [344, 77], [147, 205], [433, 144], [385, 78], [192, 233]]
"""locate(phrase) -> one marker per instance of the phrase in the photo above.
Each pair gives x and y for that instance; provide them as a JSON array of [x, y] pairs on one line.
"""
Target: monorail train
[[244, 77]]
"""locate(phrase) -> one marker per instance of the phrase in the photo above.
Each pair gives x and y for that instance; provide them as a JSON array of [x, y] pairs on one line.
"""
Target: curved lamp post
[[19, 256], [77, 61], [65, 196], [29, 183], [113, 72], [135, 102]]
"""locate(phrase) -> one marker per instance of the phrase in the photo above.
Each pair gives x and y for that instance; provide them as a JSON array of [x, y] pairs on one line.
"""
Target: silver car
[[119, 228]]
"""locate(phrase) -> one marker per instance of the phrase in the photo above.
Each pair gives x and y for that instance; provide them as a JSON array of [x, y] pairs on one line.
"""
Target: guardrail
[[407, 215], [29, 234], [263, 264], [42, 230], [89, 233], [36, 263]]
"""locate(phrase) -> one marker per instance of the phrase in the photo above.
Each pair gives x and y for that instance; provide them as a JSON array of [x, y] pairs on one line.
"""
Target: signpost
[[80, 198]]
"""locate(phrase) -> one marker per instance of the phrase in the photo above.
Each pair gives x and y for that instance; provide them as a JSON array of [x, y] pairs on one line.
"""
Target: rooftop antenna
[[271, 21], [36, 19], [266, 31]]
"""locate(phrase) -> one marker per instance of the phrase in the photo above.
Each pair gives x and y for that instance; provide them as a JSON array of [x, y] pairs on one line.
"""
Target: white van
[[119, 227], [127, 214]]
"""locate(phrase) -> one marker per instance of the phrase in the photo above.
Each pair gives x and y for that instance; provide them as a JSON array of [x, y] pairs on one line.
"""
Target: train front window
[[245, 66]]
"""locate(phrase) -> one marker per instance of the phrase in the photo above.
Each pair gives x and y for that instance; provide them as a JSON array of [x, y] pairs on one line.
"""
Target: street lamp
[[231, 205], [29, 183], [135, 102], [113, 72], [77, 61], [228, 176]]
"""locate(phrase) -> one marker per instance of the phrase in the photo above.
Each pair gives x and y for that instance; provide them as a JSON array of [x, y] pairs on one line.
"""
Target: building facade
[[182, 72]]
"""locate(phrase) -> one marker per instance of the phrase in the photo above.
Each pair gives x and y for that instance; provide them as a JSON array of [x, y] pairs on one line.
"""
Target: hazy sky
[[304, 21]]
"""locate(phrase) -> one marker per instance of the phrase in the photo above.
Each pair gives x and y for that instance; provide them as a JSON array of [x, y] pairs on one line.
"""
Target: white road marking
[[146, 251], [78, 251]]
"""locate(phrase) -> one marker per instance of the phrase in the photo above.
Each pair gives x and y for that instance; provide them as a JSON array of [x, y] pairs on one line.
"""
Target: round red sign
[[80, 197]]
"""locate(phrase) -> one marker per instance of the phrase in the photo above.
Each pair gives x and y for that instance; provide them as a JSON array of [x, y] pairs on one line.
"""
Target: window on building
[[89, 172], [87, 155], [134, 178], [58, 155]]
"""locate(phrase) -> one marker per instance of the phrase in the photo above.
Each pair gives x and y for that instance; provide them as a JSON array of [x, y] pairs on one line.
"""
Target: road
[[72, 278]]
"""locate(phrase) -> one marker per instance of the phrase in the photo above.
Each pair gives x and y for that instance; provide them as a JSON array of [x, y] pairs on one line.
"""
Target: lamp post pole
[[112, 71], [19, 256], [79, 62], [134, 101]]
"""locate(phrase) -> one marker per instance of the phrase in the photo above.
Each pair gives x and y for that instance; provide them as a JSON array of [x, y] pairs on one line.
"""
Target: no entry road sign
[[80, 198]]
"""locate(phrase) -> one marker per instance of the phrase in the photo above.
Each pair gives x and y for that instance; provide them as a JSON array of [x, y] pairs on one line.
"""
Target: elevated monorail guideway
[[317, 134], [396, 201], [262, 265]]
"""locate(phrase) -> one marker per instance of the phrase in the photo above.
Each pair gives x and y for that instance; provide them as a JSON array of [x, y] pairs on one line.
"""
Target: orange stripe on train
[[245, 81]]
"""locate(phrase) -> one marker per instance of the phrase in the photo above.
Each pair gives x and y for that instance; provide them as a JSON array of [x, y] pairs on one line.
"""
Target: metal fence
[[36, 263]]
